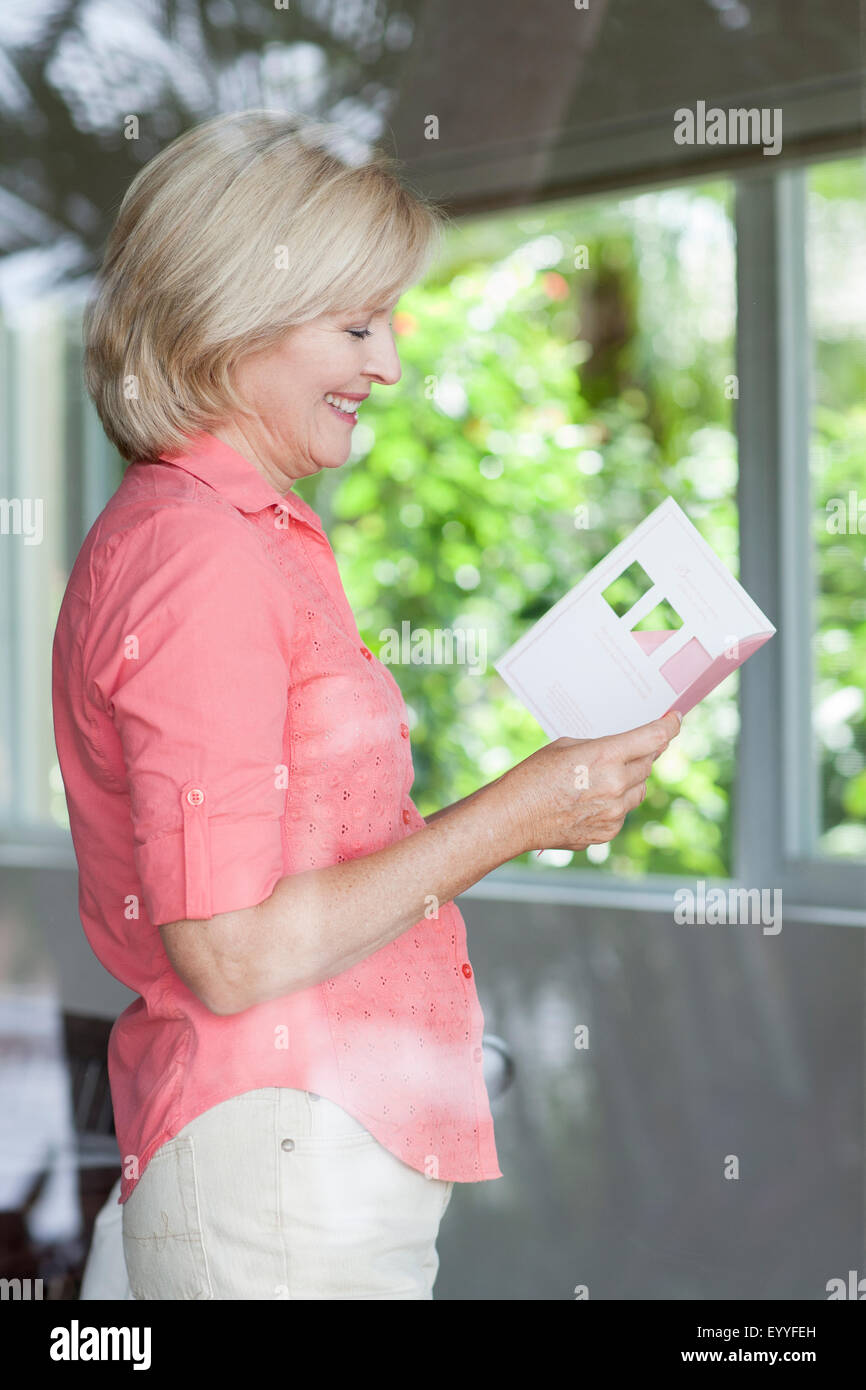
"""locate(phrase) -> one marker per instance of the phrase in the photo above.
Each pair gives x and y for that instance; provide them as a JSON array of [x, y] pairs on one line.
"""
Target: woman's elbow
[[202, 956]]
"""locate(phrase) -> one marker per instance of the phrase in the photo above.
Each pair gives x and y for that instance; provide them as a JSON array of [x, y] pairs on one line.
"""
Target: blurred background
[[616, 317]]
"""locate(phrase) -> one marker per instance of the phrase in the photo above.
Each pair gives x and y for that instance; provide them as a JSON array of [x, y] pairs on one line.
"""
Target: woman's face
[[295, 430]]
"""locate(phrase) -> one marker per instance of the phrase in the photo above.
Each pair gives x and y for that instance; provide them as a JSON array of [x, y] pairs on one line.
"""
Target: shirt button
[[287, 1145], [467, 970], [368, 654], [195, 796], [404, 730], [478, 1054], [406, 817]]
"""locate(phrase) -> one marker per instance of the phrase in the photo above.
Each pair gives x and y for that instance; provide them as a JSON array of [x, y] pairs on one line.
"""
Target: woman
[[299, 1085]]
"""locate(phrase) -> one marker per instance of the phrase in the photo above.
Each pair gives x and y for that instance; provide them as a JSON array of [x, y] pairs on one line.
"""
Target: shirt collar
[[233, 476]]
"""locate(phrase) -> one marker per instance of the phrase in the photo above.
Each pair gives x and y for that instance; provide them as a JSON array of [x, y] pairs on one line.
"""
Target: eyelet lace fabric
[[406, 1016]]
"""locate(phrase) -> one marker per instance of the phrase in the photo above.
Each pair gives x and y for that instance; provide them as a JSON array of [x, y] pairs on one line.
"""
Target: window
[[836, 280], [565, 368], [799, 827], [57, 470]]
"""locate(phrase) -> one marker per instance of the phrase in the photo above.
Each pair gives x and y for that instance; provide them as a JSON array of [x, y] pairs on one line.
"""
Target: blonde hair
[[238, 230]]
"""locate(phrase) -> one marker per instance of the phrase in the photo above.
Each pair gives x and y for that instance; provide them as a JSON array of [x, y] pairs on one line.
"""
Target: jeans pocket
[[162, 1234]]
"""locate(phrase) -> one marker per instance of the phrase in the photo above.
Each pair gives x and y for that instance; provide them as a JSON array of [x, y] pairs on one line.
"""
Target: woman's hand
[[577, 792]]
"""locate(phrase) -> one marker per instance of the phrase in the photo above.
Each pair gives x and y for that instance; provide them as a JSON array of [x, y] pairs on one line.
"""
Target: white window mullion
[[800, 805]]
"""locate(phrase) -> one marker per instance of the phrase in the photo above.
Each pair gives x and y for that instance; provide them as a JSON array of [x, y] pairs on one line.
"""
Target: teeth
[[349, 407]]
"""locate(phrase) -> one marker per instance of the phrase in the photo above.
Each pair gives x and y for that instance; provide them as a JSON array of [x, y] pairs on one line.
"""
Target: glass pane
[[34, 542], [565, 368], [57, 470], [836, 251]]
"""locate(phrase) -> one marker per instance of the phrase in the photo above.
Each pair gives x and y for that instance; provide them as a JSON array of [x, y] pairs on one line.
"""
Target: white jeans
[[280, 1194]]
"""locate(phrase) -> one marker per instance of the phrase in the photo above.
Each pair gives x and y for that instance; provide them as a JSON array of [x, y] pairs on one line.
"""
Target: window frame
[[777, 786]]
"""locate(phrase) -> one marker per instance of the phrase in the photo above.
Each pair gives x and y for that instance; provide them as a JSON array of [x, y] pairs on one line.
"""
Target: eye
[[358, 332]]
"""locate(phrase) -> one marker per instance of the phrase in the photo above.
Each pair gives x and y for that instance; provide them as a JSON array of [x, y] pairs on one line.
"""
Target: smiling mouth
[[347, 410]]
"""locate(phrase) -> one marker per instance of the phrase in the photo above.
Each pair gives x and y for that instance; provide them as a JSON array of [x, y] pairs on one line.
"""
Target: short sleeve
[[191, 632]]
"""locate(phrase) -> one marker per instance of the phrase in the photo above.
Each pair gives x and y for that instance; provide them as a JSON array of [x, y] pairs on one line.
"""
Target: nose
[[383, 363]]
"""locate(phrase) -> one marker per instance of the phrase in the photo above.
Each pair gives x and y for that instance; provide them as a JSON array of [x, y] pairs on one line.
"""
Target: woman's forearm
[[320, 922], [446, 810]]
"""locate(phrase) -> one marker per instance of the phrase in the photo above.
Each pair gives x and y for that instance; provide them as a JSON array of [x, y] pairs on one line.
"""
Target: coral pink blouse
[[220, 724]]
